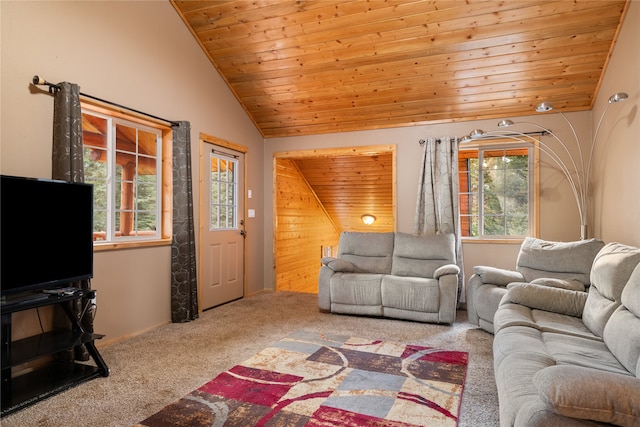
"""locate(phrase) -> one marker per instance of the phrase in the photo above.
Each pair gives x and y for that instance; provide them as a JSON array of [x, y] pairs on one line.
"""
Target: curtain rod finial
[[39, 81]]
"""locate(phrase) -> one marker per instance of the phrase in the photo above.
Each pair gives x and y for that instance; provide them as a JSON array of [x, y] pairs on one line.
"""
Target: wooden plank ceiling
[[349, 186], [313, 67]]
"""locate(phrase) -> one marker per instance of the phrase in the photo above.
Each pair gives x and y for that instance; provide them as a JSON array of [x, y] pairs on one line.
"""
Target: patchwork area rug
[[309, 379]]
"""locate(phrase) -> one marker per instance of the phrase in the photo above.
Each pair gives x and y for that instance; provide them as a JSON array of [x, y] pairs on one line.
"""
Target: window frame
[[165, 186], [534, 185]]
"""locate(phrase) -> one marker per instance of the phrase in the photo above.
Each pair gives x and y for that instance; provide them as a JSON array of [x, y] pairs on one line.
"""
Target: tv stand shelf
[[35, 347], [55, 375]]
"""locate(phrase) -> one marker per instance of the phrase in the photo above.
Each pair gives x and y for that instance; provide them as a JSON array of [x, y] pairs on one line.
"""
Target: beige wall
[[616, 170], [558, 212], [141, 55]]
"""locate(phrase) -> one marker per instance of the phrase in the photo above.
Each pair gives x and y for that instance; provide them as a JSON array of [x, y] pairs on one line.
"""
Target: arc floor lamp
[[576, 169]]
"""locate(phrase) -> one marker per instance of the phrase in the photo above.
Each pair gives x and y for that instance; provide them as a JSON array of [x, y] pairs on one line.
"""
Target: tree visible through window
[[123, 161], [495, 191], [224, 190]]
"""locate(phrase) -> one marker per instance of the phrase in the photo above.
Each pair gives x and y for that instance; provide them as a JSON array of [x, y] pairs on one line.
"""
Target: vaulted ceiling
[[313, 67]]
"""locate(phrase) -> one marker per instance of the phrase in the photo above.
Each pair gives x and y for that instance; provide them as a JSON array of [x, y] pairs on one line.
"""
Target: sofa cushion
[[572, 284], [368, 252], [631, 293], [590, 394], [411, 293], [622, 332], [561, 260], [547, 321], [421, 256], [622, 336], [545, 298], [581, 351], [611, 270], [510, 342], [510, 315], [356, 289], [513, 380]]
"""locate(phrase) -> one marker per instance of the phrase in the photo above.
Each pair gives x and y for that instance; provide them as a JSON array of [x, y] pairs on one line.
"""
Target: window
[[224, 193], [124, 159], [496, 197]]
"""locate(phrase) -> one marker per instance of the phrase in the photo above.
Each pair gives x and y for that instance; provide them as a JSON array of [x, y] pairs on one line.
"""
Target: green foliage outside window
[[494, 193], [223, 193], [135, 184]]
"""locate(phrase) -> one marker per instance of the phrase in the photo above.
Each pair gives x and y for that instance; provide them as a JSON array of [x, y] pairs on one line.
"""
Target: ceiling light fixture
[[616, 97], [368, 219], [543, 107], [576, 169]]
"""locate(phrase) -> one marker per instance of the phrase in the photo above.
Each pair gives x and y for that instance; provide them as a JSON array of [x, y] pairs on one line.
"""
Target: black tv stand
[[56, 375], [20, 299]]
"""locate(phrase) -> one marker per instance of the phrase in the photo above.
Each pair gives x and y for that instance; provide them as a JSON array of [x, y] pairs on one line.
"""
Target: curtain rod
[[235, 156], [505, 136], [42, 82], [438, 140], [510, 135]]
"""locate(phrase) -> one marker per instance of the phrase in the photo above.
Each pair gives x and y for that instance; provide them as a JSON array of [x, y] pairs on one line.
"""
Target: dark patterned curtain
[[67, 134], [184, 283], [67, 165]]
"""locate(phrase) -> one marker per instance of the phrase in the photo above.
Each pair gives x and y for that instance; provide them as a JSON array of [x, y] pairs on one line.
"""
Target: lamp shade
[[368, 219], [544, 107]]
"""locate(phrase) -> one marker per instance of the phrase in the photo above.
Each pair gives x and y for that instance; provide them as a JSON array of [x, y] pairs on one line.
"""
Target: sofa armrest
[[540, 297], [497, 276], [590, 394], [446, 269], [339, 265], [327, 259]]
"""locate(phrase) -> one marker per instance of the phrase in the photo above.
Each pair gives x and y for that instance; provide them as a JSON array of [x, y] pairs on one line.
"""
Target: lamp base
[[583, 232]]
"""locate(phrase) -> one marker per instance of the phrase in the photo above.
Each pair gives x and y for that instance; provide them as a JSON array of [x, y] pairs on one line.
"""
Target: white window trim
[[163, 234], [111, 221]]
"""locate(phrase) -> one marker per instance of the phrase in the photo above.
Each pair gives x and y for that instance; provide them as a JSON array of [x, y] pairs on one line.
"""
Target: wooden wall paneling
[[303, 229], [317, 188], [351, 186]]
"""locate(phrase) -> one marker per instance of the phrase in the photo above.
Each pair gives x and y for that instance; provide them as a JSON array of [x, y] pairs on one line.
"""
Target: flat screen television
[[46, 234]]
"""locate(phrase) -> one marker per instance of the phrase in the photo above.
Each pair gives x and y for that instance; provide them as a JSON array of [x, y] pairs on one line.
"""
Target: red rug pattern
[[311, 379]]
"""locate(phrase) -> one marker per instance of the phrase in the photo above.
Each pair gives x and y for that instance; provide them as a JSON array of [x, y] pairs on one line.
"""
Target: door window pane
[[224, 191]]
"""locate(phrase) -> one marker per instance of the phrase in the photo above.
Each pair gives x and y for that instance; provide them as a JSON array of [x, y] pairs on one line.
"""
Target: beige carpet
[[154, 369]]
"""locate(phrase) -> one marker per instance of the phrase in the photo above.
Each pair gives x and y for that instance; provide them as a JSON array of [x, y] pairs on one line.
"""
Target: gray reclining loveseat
[[395, 275], [556, 264]]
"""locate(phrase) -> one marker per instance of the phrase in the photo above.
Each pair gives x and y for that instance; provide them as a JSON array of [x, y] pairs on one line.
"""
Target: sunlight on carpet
[[311, 379]]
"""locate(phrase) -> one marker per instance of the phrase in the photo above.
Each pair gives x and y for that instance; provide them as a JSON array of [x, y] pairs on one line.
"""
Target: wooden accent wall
[[303, 230], [350, 186]]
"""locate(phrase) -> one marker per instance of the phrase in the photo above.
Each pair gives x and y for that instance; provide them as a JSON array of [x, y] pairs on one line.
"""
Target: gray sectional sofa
[[395, 275], [559, 264], [568, 357]]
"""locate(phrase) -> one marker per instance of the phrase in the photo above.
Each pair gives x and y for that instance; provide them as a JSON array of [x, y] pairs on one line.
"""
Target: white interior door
[[222, 243]]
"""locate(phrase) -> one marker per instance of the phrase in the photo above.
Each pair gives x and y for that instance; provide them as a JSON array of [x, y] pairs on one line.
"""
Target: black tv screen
[[46, 233]]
